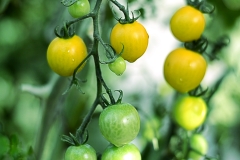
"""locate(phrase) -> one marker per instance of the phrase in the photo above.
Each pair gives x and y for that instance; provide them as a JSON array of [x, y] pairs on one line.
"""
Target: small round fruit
[[79, 8], [190, 112], [64, 55], [82, 152], [187, 24], [199, 147], [184, 69], [119, 123], [118, 66], [125, 152], [132, 38]]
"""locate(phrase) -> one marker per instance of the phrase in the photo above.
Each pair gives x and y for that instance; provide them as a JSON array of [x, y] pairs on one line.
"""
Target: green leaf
[[68, 3]]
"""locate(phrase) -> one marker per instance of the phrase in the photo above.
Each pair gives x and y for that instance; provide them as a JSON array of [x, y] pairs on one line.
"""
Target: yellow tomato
[[64, 55], [184, 69], [190, 112], [132, 38], [187, 24]]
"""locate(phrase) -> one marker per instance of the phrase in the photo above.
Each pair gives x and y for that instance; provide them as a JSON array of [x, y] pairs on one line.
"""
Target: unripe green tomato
[[199, 144], [190, 112], [79, 8], [119, 123], [82, 152], [118, 66], [4, 145], [125, 152]]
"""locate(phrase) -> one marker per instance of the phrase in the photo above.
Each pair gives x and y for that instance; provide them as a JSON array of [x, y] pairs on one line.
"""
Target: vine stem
[[100, 82]]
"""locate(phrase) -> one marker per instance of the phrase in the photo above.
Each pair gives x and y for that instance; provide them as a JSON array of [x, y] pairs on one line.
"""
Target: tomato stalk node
[[125, 11]]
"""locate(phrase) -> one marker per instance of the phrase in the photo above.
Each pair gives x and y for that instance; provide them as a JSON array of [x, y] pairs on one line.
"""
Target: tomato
[[125, 152], [132, 38], [82, 152], [198, 143], [189, 112], [5, 145], [118, 66], [64, 55], [79, 8], [187, 24], [119, 123], [184, 69]]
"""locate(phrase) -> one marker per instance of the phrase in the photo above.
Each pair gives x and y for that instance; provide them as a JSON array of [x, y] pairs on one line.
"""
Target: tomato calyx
[[75, 140], [105, 103], [202, 5], [199, 45], [111, 54], [198, 92], [68, 3], [126, 13], [65, 32]]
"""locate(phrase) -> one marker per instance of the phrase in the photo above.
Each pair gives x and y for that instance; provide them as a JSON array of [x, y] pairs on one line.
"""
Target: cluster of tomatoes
[[119, 123], [184, 70]]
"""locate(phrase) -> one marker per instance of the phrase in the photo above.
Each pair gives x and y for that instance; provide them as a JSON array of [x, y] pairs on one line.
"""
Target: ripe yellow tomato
[[64, 55], [189, 112], [132, 38], [187, 24], [184, 69]]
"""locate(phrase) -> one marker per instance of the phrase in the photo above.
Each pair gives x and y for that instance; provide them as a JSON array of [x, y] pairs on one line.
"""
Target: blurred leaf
[[3, 5]]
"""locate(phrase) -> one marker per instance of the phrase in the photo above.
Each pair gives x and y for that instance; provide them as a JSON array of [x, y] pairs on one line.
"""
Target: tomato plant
[[131, 39], [187, 24], [118, 66], [189, 112], [125, 152], [184, 69], [199, 146], [119, 123], [82, 152], [79, 8], [64, 55]]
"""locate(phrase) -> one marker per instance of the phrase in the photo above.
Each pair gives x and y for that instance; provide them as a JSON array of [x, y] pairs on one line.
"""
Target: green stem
[[123, 9]]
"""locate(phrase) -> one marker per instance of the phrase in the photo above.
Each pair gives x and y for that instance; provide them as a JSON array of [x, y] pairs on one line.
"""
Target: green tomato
[[125, 152], [4, 145], [198, 143], [190, 112], [118, 66], [82, 152], [79, 8], [119, 123]]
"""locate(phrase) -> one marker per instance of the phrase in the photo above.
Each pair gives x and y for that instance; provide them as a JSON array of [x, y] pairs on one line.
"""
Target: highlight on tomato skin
[[189, 112], [64, 55], [187, 24], [131, 39], [184, 69]]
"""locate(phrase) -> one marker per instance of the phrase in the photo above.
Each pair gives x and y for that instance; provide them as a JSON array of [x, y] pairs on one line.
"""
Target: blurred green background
[[34, 113]]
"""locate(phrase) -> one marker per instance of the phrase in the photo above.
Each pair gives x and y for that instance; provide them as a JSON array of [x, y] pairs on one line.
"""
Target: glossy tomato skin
[[187, 24], [125, 152], [118, 66], [119, 123], [82, 152], [184, 69], [189, 112], [64, 55], [79, 8], [134, 38], [197, 143]]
